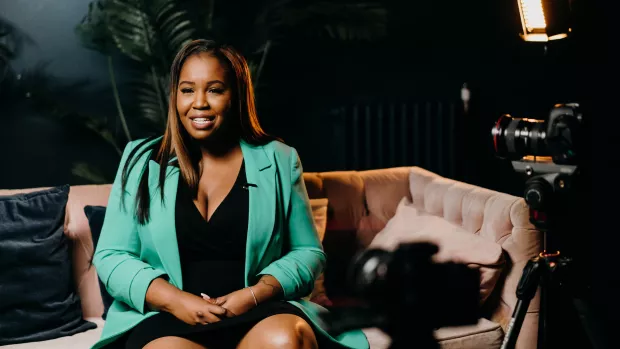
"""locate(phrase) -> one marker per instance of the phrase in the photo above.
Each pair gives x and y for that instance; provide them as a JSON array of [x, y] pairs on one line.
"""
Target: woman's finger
[[217, 310], [211, 318]]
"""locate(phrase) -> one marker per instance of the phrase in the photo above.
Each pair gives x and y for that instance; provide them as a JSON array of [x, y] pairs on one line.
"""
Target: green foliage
[[147, 32]]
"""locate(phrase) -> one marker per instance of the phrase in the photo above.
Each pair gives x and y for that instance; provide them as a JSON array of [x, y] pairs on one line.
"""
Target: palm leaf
[[131, 29], [173, 25], [149, 99], [92, 30], [148, 32]]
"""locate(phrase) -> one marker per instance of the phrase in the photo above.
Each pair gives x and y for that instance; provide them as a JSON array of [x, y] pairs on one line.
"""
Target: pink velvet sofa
[[360, 205]]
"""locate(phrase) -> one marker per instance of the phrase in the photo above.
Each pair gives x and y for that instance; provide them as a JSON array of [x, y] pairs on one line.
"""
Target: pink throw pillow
[[409, 225]]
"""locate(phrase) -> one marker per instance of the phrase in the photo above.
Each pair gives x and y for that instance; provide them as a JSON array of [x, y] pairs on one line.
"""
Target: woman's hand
[[195, 310], [236, 303]]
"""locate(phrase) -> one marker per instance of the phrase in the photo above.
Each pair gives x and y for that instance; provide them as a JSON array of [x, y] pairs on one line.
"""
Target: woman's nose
[[201, 102]]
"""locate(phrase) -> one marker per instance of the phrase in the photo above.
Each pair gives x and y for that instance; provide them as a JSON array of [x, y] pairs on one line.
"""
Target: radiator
[[414, 133]]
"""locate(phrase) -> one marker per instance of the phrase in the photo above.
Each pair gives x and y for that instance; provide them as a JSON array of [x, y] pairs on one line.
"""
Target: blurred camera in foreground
[[407, 295]]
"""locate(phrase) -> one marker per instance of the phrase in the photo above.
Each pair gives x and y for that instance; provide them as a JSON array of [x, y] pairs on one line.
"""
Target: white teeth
[[201, 120]]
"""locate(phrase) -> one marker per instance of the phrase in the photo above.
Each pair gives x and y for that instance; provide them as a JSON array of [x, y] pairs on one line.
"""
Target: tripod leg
[[525, 292], [512, 332]]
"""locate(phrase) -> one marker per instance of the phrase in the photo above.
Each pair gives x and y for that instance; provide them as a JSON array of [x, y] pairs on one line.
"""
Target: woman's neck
[[219, 150]]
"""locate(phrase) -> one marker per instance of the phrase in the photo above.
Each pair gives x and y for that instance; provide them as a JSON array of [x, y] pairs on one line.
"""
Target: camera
[[407, 295], [548, 152], [558, 137]]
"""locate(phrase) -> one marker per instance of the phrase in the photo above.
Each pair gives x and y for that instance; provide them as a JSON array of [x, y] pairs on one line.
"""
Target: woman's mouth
[[202, 123]]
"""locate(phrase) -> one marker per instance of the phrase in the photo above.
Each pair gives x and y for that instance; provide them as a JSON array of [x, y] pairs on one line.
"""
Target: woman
[[208, 239]]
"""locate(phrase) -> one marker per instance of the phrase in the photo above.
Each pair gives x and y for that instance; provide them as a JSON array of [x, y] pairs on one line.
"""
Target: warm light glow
[[532, 15], [534, 22]]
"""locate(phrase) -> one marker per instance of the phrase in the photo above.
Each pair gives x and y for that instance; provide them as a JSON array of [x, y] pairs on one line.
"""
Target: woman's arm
[[293, 275], [267, 288], [160, 294], [117, 256]]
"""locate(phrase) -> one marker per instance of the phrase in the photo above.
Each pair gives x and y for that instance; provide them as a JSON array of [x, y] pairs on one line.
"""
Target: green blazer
[[129, 256]]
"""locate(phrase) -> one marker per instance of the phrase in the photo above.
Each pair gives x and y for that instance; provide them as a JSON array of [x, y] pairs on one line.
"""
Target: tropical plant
[[149, 33]]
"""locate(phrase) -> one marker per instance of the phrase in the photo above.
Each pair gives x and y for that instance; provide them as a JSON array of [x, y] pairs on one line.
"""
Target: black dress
[[212, 250]]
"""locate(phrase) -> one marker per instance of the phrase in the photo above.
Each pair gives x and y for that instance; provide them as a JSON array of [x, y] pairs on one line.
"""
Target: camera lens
[[514, 138]]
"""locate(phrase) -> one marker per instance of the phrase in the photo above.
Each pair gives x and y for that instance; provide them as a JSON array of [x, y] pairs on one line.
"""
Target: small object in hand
[[205, 296]]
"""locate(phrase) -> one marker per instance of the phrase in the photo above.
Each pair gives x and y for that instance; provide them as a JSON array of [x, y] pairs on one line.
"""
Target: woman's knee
[[280, 331], [173, 343]]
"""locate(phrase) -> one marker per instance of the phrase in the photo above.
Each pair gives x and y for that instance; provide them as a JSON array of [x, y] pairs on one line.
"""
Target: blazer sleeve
[[117, 256], [305, 260]]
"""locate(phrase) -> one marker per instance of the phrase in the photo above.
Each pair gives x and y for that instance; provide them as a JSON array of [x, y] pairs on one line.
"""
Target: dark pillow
[[38, 298], [95, 215]]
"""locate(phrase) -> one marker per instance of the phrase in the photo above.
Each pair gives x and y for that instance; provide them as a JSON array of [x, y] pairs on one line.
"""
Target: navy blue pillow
[[95, 215], [38, 298]]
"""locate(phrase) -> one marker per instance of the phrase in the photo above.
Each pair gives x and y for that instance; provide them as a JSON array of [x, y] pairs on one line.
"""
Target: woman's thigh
[[173, 343]]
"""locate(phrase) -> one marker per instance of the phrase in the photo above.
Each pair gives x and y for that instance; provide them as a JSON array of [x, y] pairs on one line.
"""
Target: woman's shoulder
[[280, 149]]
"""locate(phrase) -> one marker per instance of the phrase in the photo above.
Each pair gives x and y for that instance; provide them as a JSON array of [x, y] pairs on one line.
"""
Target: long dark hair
[[177, 142]]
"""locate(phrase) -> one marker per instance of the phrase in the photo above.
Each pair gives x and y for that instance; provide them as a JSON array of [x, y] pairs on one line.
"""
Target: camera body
[[558, 137], [548, 152]]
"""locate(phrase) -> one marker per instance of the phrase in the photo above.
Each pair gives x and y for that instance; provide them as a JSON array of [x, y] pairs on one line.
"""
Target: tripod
[[544, 269]]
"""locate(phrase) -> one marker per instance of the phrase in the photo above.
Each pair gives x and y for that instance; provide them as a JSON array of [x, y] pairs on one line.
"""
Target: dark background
[[432, 49], [312, 84]]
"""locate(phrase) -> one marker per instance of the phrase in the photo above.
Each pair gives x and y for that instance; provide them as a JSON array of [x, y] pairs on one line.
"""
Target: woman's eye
[[186, 90], [216, 90]]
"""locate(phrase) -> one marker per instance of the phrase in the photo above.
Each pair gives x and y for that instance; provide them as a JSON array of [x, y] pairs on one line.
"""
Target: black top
[[215, 249]]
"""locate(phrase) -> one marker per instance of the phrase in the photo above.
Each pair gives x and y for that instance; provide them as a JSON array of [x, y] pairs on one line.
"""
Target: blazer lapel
[[162, 225], [260, 175]]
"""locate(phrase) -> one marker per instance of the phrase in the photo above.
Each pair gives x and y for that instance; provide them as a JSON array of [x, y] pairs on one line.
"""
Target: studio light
[[544, 20]]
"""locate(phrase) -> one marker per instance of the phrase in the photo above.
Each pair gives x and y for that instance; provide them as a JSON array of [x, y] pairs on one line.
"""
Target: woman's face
[[203, 96]]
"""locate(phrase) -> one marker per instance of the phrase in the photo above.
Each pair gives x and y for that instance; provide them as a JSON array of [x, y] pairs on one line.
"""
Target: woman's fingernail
[[205, 296]]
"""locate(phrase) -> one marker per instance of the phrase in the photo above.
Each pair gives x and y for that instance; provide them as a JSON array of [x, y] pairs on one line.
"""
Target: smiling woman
[[204, 96], [228, 242]]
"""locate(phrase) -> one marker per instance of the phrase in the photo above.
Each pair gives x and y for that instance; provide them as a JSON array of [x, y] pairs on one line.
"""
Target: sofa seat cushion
[[83, 340], [485, 334]]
